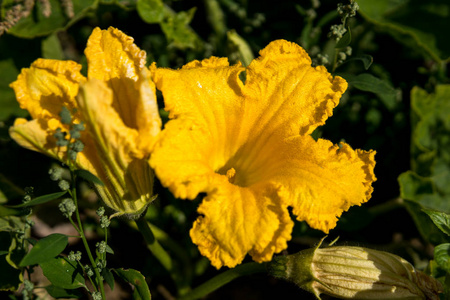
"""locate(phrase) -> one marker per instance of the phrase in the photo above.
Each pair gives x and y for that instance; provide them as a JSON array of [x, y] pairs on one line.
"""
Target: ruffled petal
[[289, 97], [126, 173], [33, 136], [114, 58], [236, 221], [47, 86], [321, 180]]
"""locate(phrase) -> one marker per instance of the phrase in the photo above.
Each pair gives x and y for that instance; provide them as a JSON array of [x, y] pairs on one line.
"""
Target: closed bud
[[355, 273]]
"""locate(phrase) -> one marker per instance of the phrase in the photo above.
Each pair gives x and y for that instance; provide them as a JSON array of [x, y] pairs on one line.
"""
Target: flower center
[[231, 173]]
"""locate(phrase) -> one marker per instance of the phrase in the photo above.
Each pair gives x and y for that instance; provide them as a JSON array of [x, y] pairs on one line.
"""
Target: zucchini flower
[[355, 273], [248, 148], [116, 104]]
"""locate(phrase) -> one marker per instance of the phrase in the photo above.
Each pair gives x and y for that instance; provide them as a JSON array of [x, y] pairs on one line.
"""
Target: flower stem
[[224, 278], [85, 243], [161, 255], [153, 244]]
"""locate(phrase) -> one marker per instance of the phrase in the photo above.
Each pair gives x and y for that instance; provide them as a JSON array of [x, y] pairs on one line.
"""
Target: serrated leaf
[[63, 273], [440, 219], [344, 40], [109, 277], [86, 175], [57, 292], [45, 249], [41, 199], [418, 23], [369, 83], [137, 279], [150, 11], [442, 256]]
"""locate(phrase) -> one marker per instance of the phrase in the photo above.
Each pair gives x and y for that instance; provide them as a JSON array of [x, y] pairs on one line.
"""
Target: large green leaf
[[427, 183], [423, 23], [63, 273], [45, 249], [36, 24], [137, 279]]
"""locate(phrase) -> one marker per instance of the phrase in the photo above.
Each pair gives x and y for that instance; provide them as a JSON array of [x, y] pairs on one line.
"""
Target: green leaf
[[366, 59], [36, 24], [369, 83], [442, 255], [440, 219], [6, 211], [345, 40], [109, 250], [109, 277], [57, 292], [176, 28], [151, 11], [41, 199], [426, 227], [51, 48], [432, 130], [421, 23], [243, 48], [86, 175], [45, 249], [137, 279], [63, 273], [8, 103], [10, 277]]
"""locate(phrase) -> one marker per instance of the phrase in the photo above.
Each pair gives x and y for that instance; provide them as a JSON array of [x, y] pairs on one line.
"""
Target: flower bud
[[355, 273]]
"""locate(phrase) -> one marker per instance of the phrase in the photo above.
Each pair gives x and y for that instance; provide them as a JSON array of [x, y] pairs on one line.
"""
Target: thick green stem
[[153, 244], [223, 278], [85, 243]]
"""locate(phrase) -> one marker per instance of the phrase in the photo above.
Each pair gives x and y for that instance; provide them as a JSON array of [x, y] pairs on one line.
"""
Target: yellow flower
[[248, 147], [117, 104]]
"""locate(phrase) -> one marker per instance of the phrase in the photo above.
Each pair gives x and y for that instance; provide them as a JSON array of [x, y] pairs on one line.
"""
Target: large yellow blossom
[[117, 104], [248, 147]]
